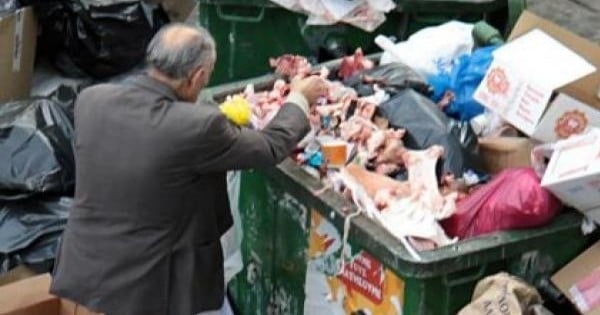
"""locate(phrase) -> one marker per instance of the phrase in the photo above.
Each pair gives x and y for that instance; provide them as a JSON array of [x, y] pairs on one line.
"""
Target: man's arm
[[231, 147]]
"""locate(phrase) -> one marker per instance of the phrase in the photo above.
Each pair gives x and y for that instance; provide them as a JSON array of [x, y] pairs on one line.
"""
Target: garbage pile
[[402, 143], [37, 177], [80, 43]]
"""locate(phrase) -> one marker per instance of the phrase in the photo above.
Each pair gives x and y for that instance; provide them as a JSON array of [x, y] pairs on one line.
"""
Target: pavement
[[579, 16]]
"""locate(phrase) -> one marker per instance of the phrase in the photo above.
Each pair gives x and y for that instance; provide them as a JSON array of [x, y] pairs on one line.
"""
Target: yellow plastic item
[[238, 110]]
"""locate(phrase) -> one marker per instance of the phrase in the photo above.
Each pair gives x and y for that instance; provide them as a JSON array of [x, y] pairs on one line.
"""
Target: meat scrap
[[408, 209], [291, 65], [425, 193], [354, 64], [374, 183], [412, 208]]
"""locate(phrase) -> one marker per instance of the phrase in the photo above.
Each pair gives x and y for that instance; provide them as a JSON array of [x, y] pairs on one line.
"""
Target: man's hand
[[311, 87]]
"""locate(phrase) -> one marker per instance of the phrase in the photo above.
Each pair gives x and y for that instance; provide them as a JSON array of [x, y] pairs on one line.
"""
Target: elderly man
[[151, 198]]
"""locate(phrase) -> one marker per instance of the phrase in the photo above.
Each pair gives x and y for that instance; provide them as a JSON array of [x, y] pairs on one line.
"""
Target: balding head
[[177, 50]]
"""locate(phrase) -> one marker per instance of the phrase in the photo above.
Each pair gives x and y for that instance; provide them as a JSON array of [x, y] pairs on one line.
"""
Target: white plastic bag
[[364, 14], [432, 49], [231, 241]]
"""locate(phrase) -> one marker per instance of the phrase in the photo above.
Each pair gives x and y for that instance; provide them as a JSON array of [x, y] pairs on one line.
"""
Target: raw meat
[[376, 141], [415, 215], [339, 93], [425, 193], [291, 65], [354, 64], [402, 220], [373, 182], [408, 209], [357, 129], [265, 105], [393, 148]]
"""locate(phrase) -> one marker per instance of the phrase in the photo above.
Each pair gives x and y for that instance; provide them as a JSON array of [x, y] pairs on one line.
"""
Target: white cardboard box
[[540, 61], [573, 173]]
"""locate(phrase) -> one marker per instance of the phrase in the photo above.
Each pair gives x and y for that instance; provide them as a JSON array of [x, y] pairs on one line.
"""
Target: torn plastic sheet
[[364, 14], [36, 149], [29, 230]]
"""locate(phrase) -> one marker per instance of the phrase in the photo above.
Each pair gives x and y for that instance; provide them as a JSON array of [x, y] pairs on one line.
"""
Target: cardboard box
[[545, 81], [18, 33], [31, 297], [501, 153], [573, 173], [580, 281], [16, 274]]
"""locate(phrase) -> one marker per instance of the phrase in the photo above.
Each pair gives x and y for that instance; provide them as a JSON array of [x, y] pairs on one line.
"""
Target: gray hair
[[178, 61]]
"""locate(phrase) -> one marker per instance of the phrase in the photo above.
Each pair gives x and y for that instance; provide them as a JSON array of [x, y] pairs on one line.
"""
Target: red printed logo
[[497, 82], [364, 274], [570, 123]]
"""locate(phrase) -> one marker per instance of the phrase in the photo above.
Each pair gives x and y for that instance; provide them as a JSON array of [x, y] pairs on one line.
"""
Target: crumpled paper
[[504, 294], [364, 14]]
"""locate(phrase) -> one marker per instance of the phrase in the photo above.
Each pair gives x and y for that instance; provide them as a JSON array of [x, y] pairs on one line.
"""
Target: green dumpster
[[249, 32], [293, 243]]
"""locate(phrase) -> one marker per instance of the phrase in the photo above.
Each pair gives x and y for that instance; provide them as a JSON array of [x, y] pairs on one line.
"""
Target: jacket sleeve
[[232, 148]]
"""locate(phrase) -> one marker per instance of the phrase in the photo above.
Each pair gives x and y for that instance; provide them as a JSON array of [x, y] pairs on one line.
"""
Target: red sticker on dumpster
[[364, 274]]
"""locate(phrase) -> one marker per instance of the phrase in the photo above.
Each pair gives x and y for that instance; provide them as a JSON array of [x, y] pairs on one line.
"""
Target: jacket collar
[[147, 82]]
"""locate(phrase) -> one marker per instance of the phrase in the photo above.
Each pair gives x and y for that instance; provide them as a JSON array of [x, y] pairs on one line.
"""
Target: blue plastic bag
[[463, 80]]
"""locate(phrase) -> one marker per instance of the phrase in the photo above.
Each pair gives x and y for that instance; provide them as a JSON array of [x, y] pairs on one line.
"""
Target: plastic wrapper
[[30, 229], [514, 199], [364, 14], [433, 49], [426, 125], [392, 78], [99, 39], [461, 82], [36, 149]]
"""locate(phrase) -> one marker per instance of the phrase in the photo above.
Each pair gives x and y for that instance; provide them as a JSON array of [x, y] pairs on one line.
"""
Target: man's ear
[[198, 76]]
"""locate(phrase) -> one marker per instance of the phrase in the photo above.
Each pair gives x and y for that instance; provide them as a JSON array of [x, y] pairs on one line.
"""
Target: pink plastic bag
[[514, 199]]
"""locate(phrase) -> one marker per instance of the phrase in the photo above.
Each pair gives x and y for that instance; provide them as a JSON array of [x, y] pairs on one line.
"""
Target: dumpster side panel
[[251, 288], [294, 244], [350, 285], [274, 249], [291, 241]]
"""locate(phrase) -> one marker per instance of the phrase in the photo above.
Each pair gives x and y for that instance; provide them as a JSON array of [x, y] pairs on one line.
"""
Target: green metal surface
[[275, 206], [248, 33]]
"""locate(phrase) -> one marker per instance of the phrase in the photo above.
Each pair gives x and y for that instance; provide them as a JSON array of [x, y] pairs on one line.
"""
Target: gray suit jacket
[[151, 198]]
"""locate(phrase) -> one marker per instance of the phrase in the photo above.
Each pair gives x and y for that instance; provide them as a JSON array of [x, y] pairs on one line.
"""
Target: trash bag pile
[[95, 38], [80, 43], [37, 177]]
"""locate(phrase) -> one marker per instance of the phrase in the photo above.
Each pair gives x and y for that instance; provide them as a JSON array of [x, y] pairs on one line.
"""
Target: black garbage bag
[[8, 7], [30, 229], [393, 78], [99, 40], [427, 125], [36, 149], [65, 96], [39, 256]]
